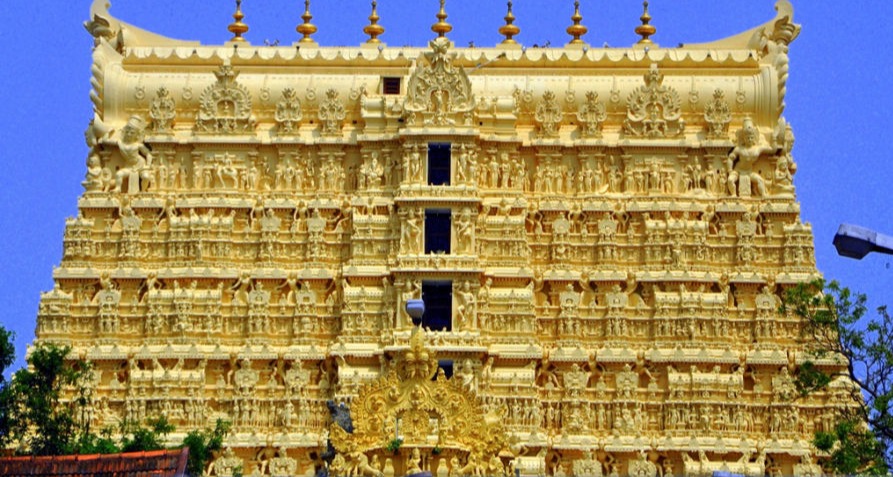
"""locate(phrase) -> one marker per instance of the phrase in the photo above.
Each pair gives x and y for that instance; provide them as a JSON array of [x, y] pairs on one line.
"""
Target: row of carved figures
[[653, 110], [737, 175]]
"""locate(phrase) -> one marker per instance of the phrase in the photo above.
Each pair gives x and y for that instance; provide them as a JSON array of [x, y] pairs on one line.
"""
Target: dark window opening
[[391, 85], [438, 296], [437, 231], [439, 166], [447, 366]]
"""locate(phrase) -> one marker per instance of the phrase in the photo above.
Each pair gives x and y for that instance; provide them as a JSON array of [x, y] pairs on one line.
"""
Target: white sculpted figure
[[743, 159], [136, 156]]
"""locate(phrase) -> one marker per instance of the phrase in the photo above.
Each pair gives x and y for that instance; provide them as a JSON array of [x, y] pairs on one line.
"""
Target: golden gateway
[[600, 235]]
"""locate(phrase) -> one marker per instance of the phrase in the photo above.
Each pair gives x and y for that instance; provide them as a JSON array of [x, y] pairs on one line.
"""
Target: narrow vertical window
[[438, 296], [439, 164], [438, 231]]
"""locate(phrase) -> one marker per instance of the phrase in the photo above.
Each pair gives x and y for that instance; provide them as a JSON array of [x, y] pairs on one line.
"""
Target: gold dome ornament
[[646, 30], [577, 29], [373, 29], [306, 28], [509, 30], [238, 28], [442, 27]]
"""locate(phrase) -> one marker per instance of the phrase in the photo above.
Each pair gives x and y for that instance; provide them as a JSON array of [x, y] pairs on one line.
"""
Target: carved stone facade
[[611, 260]]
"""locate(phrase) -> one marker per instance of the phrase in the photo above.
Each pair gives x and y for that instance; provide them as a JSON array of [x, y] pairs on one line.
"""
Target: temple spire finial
[[509, 30], [373, 29], [646, 30], [577, 30], [442, 27], [306, 28], [238, 28]]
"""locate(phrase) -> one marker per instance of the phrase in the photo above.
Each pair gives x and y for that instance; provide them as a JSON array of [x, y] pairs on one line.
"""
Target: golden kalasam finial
[[577, 29], [306, 28], [238, 28], [442, 27], [646, 30], [509, 30], [373, 29]]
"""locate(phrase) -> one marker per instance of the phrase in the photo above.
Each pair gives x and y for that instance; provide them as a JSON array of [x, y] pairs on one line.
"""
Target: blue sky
[[839, 102]]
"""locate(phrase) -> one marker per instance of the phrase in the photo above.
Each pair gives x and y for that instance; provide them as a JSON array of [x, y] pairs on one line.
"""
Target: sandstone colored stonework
[[621, 224]]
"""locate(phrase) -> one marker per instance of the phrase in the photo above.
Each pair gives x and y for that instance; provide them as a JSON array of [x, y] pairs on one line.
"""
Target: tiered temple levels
[[600, 235]]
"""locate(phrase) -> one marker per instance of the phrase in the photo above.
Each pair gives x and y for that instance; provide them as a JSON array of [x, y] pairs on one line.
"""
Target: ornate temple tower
[[600, 236]]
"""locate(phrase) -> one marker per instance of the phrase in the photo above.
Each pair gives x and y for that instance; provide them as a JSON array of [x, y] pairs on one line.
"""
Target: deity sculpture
[[742, 162], [136, 157]]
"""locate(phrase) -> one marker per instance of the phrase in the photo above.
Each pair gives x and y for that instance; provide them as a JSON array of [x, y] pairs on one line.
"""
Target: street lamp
[[856, 242], [415, 309]]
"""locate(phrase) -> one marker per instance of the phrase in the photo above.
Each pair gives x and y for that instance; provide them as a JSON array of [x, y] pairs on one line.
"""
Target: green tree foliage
[[7, 356], [41, 421], [836, 326], [202, 446], [139, 438]]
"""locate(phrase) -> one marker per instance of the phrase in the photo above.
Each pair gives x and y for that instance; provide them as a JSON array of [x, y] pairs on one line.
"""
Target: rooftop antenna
[[373, 29], [509, 30], [238, 28], [646, 30], [306, 28], [577, 29], [442, 27]]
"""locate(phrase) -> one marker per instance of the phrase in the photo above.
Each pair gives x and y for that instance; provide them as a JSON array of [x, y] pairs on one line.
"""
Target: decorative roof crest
[[653, 110], [225, 106], [439, 90]]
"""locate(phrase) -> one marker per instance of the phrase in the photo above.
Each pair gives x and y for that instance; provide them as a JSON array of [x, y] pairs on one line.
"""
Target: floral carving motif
[[591, 116], [439, 90], [548, 116], [654, 110], [288, 112], [418, 395], [225, 106], [718, 115], [162, 111], [332, 114]]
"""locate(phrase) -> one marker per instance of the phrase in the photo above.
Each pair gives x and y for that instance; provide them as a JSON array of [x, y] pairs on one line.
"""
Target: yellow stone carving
[[616, 228]]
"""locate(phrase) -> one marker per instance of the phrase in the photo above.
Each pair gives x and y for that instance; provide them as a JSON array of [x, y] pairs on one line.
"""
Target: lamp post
[[856, 242], [415, 308]]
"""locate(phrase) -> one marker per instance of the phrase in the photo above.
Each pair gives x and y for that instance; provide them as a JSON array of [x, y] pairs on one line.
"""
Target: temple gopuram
[[600, 238]]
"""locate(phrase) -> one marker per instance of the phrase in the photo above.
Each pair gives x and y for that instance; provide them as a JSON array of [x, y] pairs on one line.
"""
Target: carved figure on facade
[[548, 116], [785, 167], [98, 178], [743, 176], [331, 114], [718, 115], [289, 112], [135, 155], [654, 111], [225, 106], [162, 111], [591, 115], [438, 91], [410, 397]]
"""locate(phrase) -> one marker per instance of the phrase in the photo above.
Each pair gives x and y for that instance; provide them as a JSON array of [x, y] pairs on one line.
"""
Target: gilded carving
[[163, 111], [718, 115], [548, 116], [331, 114], [225, 106], [288, 112], [654, 111], [592, 115], [439, 91]]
